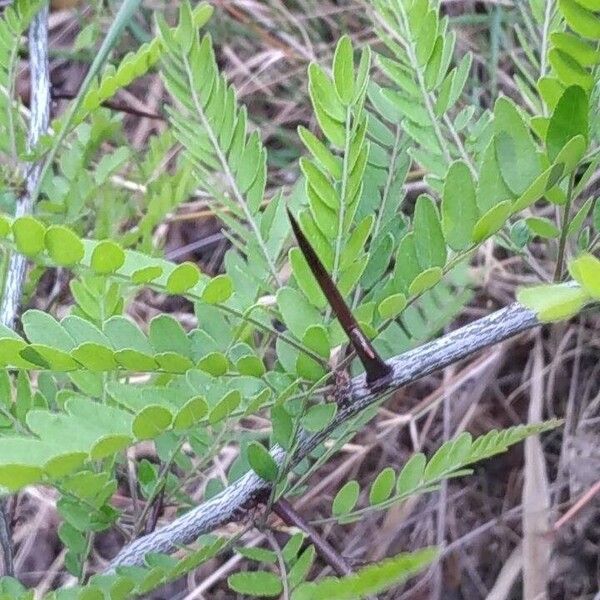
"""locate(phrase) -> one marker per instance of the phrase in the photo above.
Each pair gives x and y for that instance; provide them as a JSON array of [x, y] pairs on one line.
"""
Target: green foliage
[[419, 475], [213, 130], [370, 580], [262, 344], [426, 87], [262, 583]]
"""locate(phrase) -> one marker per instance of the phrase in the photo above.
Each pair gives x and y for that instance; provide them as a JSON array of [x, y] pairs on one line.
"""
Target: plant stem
[[562, 244], [408, 367], [16, 263]]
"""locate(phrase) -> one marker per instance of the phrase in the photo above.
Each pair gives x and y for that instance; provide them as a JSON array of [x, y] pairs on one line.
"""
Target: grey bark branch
[[38, 125], [15, 273], [406, 368]]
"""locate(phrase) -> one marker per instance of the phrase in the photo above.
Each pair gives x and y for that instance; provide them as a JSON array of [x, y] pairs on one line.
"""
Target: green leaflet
[[258, 583], [346, 498], [580, 19], [262, 462], [569, 119], [586, 271], [553, 302], [430, 245], [343, 70], [459, 206], [515, 151]]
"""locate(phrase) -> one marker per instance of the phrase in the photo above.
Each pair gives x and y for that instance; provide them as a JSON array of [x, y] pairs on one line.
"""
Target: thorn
[[375, 367]]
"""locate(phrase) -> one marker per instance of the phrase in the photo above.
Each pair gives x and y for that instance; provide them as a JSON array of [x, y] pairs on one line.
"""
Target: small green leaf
[[151, 422], [425, 281], [459, 206], [262, 462], [42, 328], [107, 257], [383, 486], [64, 247], [225, 407], [438, 463], [544, 182], [568, 70], [542, 227], [218, 289], [412, 474], [429, 239], [553, 302], [321, 153], [256, 583], [317, 339], [214, 363], [516, 152], [257, 554], [392, 306], [167, 335], [586, 271], [250, 365], [318, 183], [182, 278], [95, 357], [301, 568], [308, 368], [580, 19], [29, 235], [569, 119], [135, 361], [346, 498], [146, 275], [291, 549], [318, 416], [193, 411], [283, 426], [297, 314], [492, 221], [343, 70]]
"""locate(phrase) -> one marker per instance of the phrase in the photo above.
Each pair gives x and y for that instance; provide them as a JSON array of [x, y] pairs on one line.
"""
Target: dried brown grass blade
[[537, 544]]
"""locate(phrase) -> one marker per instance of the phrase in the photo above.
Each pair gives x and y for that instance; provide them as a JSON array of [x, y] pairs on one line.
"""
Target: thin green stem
[[160, 483], [408, 45], [562, 244], [258, 324], [410, 51], [281, 562]]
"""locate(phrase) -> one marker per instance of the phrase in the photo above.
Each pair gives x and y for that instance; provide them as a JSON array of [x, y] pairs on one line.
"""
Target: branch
[[38, 125], [15, 274], [406, 368]]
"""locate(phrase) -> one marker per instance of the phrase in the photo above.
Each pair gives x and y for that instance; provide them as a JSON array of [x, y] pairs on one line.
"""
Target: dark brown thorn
[[375, 367]]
